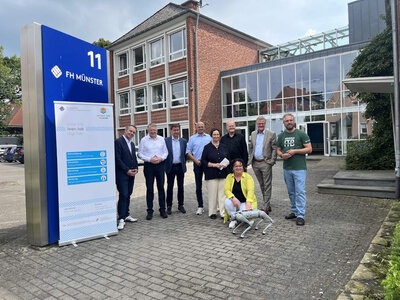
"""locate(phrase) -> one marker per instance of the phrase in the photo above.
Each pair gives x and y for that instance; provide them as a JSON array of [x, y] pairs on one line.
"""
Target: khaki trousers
[[263, 172], [216, 195]]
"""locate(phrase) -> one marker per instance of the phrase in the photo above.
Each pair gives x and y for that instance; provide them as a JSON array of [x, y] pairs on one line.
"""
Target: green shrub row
[[365, 155], [391, 283]]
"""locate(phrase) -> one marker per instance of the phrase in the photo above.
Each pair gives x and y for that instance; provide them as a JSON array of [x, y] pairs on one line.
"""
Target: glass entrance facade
[[310, 88]]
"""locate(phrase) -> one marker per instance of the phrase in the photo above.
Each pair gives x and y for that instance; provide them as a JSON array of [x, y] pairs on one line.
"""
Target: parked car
[[19, 154], [9, 154]]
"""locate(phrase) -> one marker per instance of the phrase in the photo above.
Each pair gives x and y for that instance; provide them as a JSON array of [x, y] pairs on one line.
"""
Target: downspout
[[396, 96], [197, 70]]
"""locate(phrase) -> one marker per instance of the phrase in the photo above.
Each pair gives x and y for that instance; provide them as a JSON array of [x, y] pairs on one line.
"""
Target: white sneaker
[[121, 224], [232, 224], [130, 219], [199, 211]]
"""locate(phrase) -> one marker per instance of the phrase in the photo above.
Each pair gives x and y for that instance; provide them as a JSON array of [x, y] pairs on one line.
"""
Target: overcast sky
[[273, 21]]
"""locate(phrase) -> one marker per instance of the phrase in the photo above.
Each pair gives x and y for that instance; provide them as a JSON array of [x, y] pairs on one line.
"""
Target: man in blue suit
[[126, 167], [175, 166]]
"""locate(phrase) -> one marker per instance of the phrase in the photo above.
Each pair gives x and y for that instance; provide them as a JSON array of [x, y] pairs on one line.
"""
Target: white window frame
[[185, 94], [158, 102], [239, 91], [145, 99], [143, 64], [155, 61], [123, 72], [125, 110], [181, 51]]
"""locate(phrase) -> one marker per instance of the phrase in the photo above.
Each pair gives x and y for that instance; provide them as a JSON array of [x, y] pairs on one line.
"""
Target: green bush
[[391, 283], [369, 155]]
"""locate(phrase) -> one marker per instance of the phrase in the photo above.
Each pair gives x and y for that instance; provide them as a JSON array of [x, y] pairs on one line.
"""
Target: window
[[124, 105], [158, 99], [179, 93], [122, 64], [177, 45], [139, 59], [140, 100], [157, 52]]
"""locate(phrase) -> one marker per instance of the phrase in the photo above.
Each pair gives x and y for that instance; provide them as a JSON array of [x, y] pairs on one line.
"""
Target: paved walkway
[[194, 257]]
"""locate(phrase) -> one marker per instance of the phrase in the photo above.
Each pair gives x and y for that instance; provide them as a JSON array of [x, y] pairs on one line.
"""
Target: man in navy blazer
[[175, 166], [126, 167]]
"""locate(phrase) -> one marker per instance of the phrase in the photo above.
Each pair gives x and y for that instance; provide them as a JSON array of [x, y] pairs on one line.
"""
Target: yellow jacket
[[247, 184]]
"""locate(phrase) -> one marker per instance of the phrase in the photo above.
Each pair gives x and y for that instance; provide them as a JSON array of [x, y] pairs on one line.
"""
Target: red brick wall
[[179, 114], [139, 77], [177, 66], [141, 119], [124, 121], [112, 100], [218, 51], [157, 72], [120, 132], [159, 116], [190, 42], [123, 82]]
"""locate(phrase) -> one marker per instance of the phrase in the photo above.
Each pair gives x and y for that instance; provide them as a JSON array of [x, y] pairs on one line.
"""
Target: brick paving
[[193, 257]]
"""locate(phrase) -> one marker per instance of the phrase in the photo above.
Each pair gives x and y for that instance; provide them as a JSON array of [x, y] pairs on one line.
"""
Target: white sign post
[[86, 171]]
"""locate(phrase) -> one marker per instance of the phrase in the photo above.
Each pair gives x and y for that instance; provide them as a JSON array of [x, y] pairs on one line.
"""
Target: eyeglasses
[[238, 166]]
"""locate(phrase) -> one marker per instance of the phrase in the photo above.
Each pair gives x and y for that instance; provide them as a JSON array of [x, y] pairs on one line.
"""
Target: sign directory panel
[[85, 168], [75, 71]]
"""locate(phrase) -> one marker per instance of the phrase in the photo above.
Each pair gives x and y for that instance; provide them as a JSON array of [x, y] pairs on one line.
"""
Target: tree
[[102, 43], [376, 59], [10, 86]]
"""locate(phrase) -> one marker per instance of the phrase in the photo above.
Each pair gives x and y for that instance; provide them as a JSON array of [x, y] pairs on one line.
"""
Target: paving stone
[[192, 257]]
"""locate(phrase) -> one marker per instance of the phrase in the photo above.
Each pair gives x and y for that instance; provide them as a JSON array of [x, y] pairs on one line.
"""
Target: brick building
[[154, 77]]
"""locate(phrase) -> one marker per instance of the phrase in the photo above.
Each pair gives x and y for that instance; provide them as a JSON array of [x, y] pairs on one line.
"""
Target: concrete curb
[[366, 279]]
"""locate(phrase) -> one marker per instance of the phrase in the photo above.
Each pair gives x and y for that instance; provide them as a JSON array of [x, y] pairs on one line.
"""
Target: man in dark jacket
[[235, 142], [126, 167], [175, 166]]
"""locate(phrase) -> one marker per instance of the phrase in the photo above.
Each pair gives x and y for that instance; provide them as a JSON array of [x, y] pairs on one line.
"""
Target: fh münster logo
[[76, 76]]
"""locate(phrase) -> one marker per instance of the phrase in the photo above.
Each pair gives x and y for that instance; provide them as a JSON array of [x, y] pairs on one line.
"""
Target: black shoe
[[149, 216], [300, 221], [290, 216], [163, 214], [169, 210], [269, 209], [182, 209], [214, 216]]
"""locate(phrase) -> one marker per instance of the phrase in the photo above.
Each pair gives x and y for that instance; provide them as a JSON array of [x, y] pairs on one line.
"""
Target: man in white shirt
[[153, 151]]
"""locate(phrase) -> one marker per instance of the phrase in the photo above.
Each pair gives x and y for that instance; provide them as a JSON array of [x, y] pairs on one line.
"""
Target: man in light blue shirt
[[153, 151], [194, 151]]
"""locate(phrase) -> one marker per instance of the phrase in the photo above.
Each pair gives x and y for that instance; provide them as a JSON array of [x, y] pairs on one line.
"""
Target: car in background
[[9, 153], [19, 154]]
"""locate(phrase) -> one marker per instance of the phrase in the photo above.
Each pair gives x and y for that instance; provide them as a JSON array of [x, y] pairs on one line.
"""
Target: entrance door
[[316, 133], [243, 131]]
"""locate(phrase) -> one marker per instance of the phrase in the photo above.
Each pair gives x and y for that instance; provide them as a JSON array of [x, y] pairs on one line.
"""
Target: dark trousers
[[125, 188], [198, 176], [151, 172], [176, 171]]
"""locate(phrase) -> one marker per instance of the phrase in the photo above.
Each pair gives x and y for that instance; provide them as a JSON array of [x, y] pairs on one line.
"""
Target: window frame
[[123, 72], [145, 99], [185, 97], [143, 64], [161, 58], [183, 49], [164, 102], [128, 108]]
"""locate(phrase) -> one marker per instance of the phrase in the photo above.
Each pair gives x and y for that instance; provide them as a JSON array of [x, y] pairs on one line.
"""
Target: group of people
[[223, 161]]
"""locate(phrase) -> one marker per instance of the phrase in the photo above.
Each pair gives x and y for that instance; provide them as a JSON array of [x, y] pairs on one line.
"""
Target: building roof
[[16, 117], [168, 13]]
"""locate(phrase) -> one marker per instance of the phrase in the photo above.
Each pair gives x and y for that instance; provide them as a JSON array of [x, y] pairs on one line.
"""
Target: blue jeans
[[296, 185], [198, 176]]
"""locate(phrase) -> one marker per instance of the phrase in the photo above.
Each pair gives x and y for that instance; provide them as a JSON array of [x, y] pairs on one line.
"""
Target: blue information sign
[[76, 71]]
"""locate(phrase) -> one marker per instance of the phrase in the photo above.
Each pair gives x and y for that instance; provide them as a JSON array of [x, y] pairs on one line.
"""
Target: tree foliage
[[10, 86], [101, 42], [376, 59]]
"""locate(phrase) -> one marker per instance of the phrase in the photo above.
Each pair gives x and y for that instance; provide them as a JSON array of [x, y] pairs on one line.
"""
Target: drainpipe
[[197, 70], [396, 96]]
